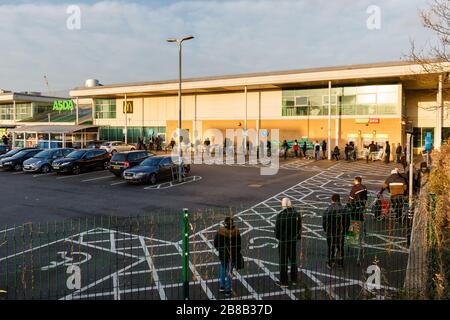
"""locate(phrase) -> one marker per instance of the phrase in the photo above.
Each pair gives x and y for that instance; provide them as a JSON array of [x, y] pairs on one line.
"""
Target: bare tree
[[435, 55]]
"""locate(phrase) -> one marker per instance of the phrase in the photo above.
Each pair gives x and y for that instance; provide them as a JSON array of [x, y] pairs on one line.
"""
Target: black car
[[154, 169], [82, 161], [42, 162], [14, 152], [16, 161], [4, 149], [122, 161]]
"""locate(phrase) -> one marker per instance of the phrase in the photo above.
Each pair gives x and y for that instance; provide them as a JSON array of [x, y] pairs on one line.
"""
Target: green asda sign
[[63, 105]]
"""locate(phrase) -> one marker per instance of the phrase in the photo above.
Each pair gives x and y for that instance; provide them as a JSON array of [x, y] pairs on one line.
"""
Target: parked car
[[42, 162], [155, 169], [82, 161], [11, 153], [95, 144], [122, 161], [3, 149], [117, 146], [16, 161]]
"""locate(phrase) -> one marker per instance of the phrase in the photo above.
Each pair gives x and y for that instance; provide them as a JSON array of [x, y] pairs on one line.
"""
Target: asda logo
[[63, 105]]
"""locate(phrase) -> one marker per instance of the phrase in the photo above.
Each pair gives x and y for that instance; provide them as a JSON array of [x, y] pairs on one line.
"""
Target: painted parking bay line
[[118, 183], [99, 178], [43, 175], [79, 175]]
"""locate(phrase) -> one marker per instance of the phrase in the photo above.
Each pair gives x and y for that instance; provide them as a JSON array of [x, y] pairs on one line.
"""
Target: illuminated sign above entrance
[[63, 105]]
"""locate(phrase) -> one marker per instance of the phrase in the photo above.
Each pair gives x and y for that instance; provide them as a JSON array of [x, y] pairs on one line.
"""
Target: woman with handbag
[[228, 242]]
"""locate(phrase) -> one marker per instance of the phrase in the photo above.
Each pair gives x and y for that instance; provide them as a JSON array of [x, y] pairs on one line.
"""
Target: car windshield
[[47, 154], [106, 144], [11, 153], [76, 154], [151, 162], [21, 153], [119, 157]]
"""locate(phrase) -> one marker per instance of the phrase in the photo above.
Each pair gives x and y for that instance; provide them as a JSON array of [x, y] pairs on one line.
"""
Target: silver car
[[117, 146]]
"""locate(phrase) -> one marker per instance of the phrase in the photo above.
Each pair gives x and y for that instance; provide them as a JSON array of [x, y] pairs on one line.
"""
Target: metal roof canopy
[[53, 129]]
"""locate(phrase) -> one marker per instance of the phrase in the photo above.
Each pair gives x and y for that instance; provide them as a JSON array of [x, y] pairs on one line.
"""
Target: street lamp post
[[179, 42]]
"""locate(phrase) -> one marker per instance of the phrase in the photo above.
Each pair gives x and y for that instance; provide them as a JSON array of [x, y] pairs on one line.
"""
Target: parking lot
[[41, 198], [141, 259]]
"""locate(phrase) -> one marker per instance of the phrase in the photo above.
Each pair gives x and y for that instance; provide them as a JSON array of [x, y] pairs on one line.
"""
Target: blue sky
[[124, 41]]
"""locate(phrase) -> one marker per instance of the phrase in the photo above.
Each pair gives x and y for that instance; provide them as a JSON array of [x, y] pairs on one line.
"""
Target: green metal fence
[[173, 255]]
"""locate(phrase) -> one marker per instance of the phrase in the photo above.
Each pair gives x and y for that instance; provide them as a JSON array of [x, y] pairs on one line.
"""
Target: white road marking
[[77, 176], [118, 183], [100, 178], [152, 267], [43, 175]]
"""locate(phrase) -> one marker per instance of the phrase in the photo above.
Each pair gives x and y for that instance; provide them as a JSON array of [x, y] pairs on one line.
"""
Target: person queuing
[[358, 199], [397, 186], [285, 148], [347, 151], [317, 150], [372, 151], [336, 153], [398, 153], [5, 140], [227, 242], [336, 222], [324, 149], [172, 144], [305, 148], [288, 229], [296, 148], [387, 152]]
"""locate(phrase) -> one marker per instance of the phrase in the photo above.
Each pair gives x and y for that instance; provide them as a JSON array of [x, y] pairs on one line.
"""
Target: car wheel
[[18, 167], [114, 151], [45, 169], [76, 170], [152, 180], [106, 165], [133, 149]]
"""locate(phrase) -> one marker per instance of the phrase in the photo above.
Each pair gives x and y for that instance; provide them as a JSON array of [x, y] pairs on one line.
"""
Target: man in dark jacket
[[324, 149], [228, 242], [288, 229], [305, 148], [398, 153], [397, 186], [336, 222], [372, 150], [358, 199], [387, 151]]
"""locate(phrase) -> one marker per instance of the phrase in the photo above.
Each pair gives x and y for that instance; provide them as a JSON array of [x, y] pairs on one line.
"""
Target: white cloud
[[122, 41]]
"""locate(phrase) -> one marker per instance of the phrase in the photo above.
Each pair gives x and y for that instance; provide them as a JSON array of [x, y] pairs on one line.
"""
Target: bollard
[[185, 258]]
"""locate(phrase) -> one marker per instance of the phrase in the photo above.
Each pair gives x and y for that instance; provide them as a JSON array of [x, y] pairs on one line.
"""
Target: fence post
[[432, 244], [185, 258]]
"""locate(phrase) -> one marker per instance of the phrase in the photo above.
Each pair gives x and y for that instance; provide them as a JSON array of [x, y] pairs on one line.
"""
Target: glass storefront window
[[23, 111], [446, 135], [364, 100], [6, 112], [31, 139], [420, 135], [105, 108]]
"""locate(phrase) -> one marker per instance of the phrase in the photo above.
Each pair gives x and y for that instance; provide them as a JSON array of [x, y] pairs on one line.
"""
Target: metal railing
[[174, 255]]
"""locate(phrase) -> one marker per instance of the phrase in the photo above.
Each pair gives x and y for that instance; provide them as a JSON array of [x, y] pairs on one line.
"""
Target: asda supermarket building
[[32, 119], [358, 103]]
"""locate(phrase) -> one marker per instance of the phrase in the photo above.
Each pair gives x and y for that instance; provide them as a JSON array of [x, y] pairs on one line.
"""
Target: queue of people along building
[[358, 103]]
